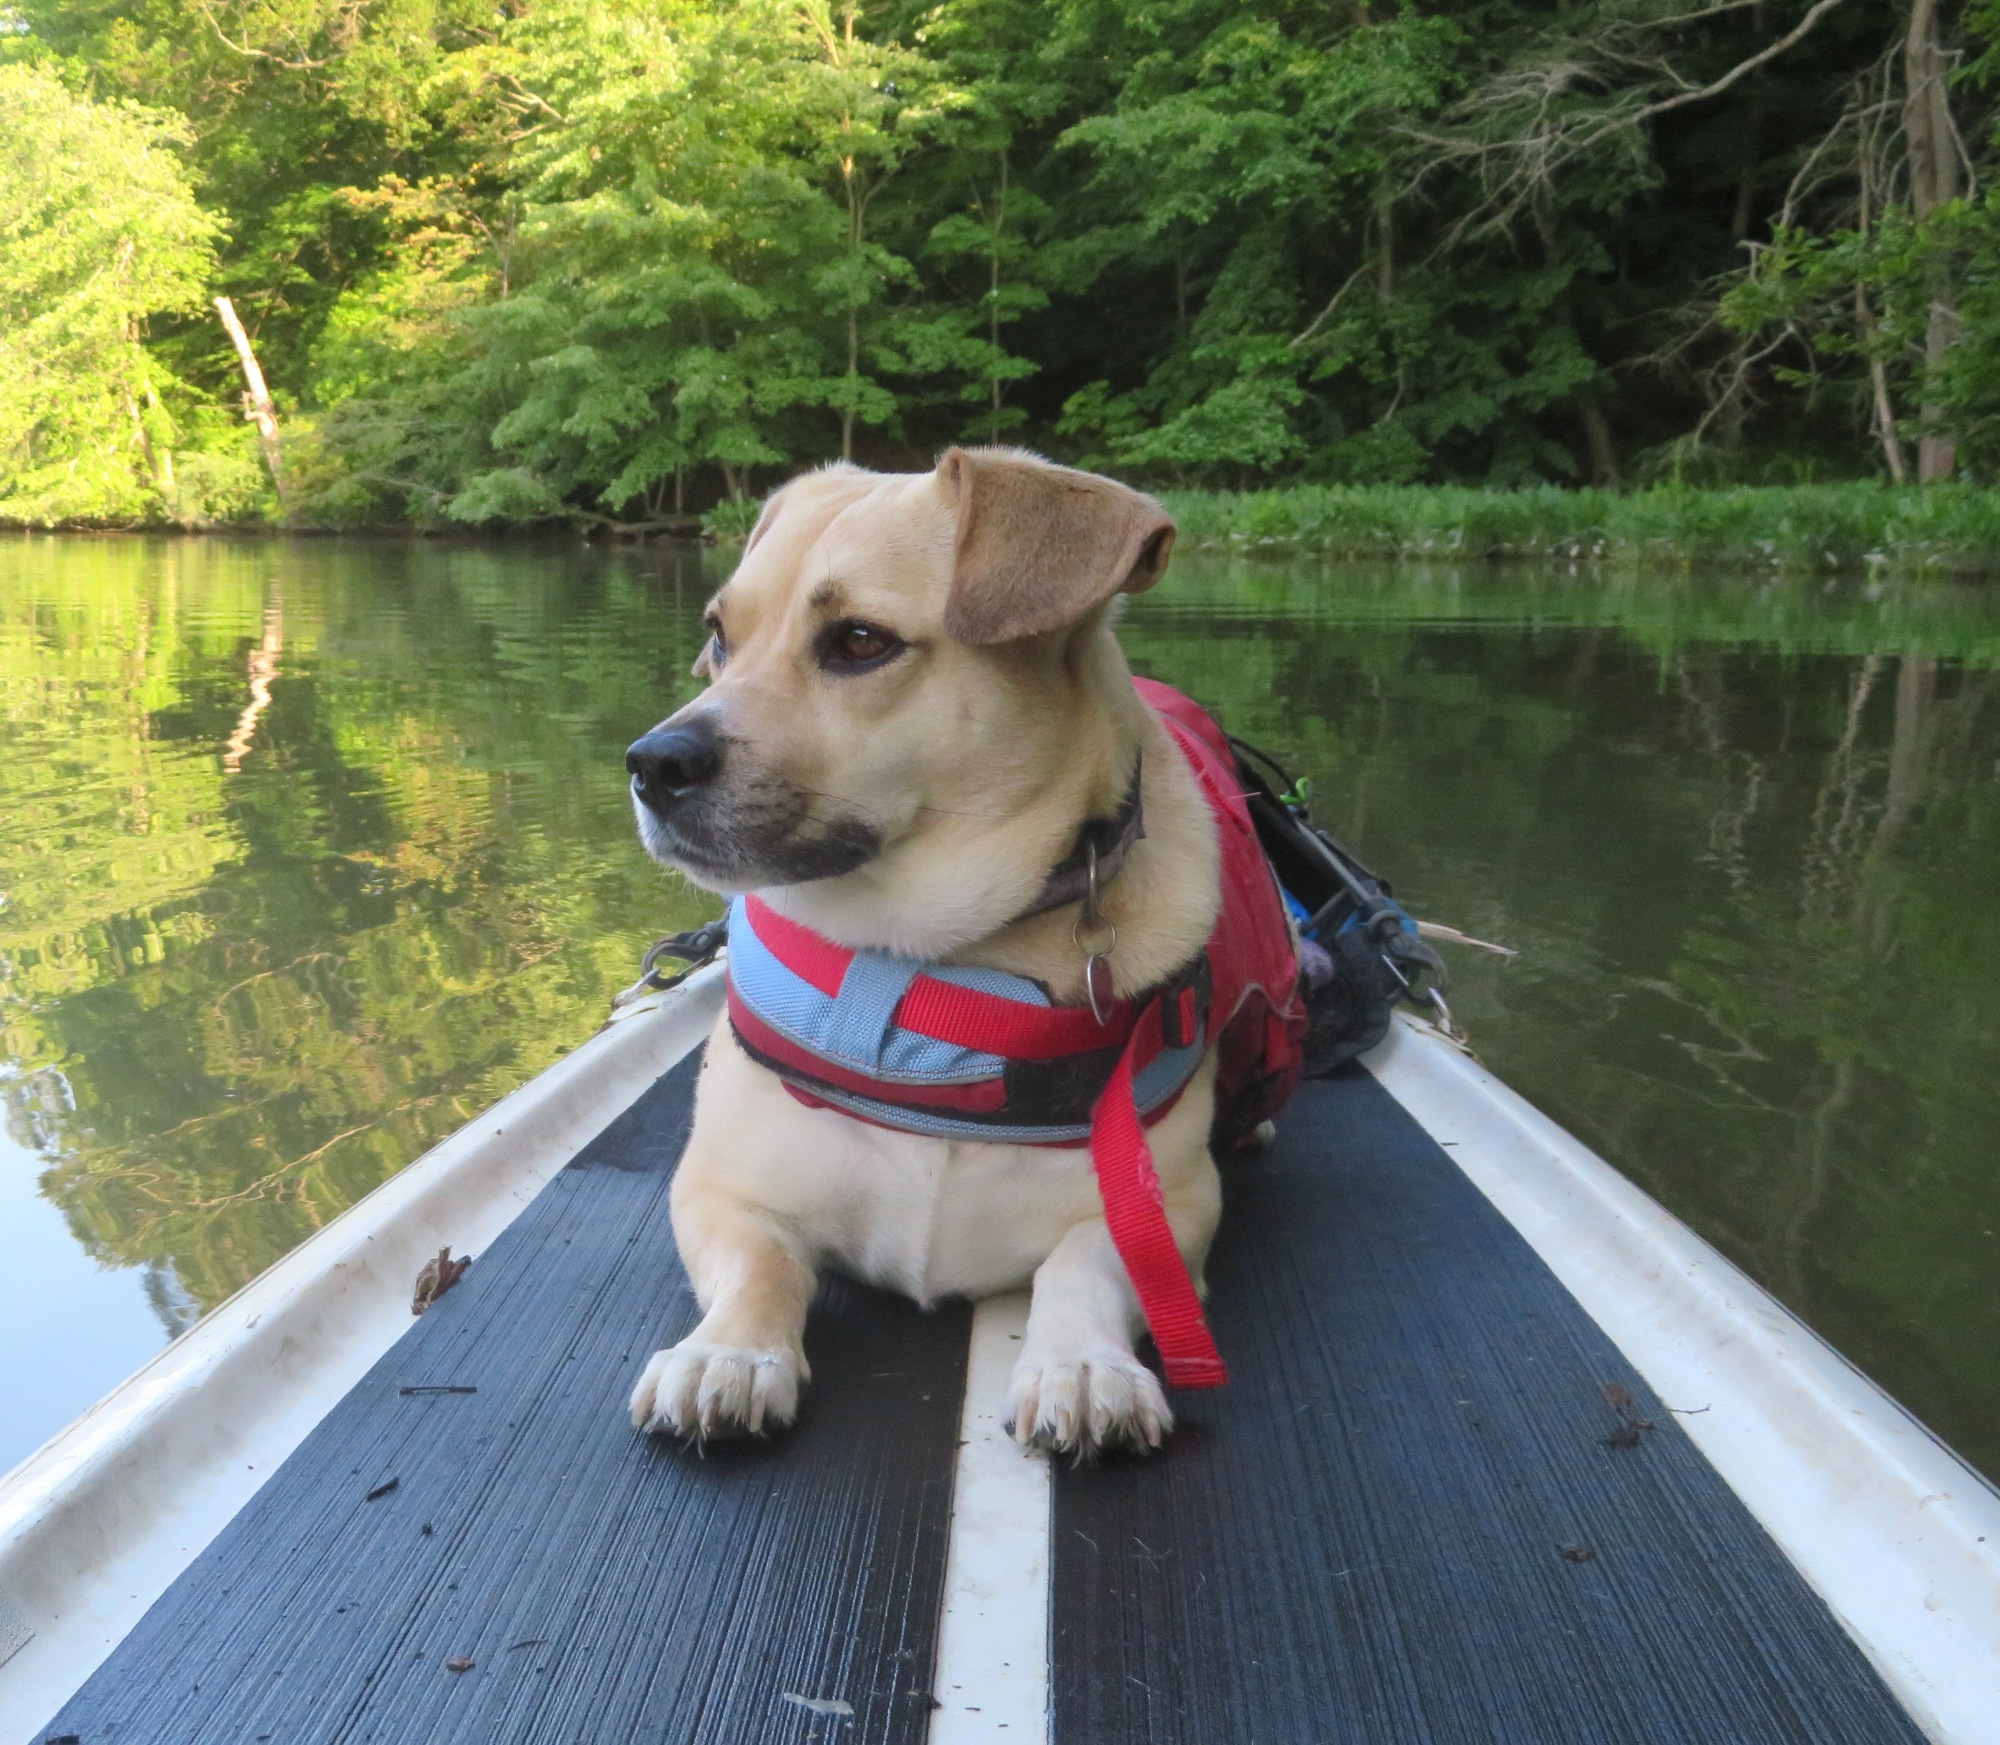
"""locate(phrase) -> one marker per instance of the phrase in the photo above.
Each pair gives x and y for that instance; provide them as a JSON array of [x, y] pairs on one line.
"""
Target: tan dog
[[915, 703]]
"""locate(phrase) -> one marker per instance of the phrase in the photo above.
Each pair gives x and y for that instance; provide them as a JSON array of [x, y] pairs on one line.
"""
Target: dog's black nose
[[669, 761]]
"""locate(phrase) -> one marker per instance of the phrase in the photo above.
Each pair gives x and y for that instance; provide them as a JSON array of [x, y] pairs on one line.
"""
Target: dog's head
[[902, 667]]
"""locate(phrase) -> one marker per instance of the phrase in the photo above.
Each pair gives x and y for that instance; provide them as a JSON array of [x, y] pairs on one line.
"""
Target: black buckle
[[1184, 1002]]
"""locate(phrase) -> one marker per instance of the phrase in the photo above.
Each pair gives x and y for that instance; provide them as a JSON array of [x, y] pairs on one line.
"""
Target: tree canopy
[[615, 260]]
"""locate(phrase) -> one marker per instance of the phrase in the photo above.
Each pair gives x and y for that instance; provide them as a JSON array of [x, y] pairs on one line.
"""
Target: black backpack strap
[[1360, 951]]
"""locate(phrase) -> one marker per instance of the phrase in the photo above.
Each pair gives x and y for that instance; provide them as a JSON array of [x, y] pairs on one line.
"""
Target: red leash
[[1135, 1212]]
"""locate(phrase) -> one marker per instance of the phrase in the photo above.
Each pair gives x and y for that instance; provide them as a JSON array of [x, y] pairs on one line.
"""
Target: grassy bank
[[1948, 528], [1939, 529]]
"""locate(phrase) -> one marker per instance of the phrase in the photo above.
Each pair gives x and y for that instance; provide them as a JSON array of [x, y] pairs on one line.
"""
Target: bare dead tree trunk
[[167, 486], [1596, 427], [159, 461], [1864, 321], [257, 405], [1878, 377], [1934, 181], [1385, 258], [1597, 434]]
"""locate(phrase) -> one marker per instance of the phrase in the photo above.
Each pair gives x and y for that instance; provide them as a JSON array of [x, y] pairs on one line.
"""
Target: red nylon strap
[[1135, 1212], [947, 1012], [1134, 1209]]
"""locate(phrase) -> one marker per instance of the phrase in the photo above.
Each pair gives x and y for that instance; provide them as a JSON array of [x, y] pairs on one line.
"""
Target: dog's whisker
[[984, 817]]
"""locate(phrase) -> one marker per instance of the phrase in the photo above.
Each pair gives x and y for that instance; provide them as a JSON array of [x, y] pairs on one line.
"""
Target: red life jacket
[[1252, 954], [974, 1053]]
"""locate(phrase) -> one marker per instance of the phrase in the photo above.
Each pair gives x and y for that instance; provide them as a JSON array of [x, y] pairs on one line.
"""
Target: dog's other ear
[[765, 516], [837, 483], [1040, 546]]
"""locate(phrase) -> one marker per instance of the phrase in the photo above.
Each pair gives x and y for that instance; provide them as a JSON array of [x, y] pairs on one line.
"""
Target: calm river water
[[310, 850]]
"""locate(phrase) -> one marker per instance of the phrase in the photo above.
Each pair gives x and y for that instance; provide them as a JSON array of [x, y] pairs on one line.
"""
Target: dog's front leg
[[742, 1368], [1077, 1386]]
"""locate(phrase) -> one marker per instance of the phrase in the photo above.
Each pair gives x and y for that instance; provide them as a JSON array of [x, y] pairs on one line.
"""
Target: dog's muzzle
[[703, 806]]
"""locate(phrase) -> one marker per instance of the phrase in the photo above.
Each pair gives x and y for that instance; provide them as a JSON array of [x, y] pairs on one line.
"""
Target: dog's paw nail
[[702, 1392], [1108, 1399]]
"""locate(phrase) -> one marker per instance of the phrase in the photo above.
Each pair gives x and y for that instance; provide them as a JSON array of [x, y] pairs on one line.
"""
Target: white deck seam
[[992, 1677]]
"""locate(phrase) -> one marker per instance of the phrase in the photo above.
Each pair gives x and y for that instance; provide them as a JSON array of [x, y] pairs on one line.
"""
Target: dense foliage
[[616, 260]]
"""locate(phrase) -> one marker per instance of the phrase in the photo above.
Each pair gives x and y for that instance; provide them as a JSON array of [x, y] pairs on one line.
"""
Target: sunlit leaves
[[99, 231]]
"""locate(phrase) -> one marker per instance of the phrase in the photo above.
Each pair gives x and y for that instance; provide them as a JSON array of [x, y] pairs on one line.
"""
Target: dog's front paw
[[1100, 1399], [702, 1389]]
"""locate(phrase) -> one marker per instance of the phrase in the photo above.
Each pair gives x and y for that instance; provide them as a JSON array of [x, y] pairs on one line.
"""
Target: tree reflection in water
[[289, 898], [311, 850]]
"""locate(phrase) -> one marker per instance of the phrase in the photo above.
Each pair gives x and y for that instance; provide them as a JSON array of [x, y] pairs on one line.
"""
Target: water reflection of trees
[[270, 965], [1751, 883], [1744, 836], [1880, 1206]]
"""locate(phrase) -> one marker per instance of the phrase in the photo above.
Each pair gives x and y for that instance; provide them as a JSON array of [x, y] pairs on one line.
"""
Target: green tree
[[299, 111], [693, 281], [1880, 288], [99, 233]]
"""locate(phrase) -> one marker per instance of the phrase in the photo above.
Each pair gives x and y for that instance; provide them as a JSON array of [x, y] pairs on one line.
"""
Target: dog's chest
[[935, 1219]]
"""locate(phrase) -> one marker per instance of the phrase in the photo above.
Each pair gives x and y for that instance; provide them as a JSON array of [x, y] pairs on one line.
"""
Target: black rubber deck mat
[[1402, 1521], [608, 1589]]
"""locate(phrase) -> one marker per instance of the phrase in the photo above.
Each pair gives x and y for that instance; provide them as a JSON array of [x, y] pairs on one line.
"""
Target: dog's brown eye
[[852, 646], [865, 641]]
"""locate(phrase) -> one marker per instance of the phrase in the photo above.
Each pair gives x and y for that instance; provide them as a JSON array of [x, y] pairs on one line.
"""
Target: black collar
[[1111, 837]]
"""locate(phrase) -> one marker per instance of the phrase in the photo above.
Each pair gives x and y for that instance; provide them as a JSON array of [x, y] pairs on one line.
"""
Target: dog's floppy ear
[[1040, 546]]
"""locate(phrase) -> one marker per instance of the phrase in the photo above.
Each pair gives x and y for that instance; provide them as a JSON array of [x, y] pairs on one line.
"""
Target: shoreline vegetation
[[1941, 530]]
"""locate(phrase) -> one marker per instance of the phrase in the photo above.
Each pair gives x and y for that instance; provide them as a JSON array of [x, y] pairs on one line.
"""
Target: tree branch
[[304, 62], [1517, 136], [1742, 69], [1314, 326]]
